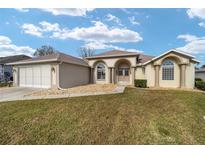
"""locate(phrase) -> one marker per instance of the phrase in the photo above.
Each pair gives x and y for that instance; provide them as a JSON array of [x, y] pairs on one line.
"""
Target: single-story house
[[6, 72], [173, 68], [200, 73]]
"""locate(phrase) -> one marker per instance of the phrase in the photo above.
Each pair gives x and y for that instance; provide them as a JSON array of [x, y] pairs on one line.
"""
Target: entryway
[[123, 72]]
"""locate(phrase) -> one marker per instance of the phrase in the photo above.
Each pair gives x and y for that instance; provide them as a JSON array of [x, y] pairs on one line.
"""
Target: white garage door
[[35, 76]]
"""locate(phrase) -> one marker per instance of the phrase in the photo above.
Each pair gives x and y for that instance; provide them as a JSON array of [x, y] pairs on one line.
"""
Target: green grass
[[138, 116]]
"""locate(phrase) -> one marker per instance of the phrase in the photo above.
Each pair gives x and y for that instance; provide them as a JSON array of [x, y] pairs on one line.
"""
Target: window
[[120, 72], [126, 71], [101, 72], [168, 70]]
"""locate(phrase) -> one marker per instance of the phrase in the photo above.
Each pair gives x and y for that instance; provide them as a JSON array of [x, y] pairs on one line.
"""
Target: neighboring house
[[6, 73], [173, 68], [200, 73]]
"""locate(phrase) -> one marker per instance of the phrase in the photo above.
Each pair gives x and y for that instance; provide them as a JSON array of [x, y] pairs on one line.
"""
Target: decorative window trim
[[167, 70]]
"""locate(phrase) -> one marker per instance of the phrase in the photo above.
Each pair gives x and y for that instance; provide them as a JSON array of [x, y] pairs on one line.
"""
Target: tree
[[86, 52], [44, 50]]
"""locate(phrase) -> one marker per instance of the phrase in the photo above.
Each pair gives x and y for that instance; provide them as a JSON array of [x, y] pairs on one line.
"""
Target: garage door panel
[[45, 76], [35, 76], [29, 77], [22, 77]]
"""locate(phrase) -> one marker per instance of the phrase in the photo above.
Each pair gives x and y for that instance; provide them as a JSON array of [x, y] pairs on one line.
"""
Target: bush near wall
[[200, 85], [6, 84], [141, 83], [198, 79]]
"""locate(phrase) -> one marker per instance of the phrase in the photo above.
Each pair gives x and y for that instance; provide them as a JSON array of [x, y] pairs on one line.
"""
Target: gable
[[174, 54]]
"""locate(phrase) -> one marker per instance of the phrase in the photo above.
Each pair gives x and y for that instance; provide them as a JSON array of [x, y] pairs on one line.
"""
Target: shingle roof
[[144, 58], [56, 57], [11, 59], [113, 53]]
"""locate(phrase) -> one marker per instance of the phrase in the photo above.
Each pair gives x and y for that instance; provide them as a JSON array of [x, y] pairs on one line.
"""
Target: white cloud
[[99, 45], [101, 32], [202, 24], [48, 27], [196, 12], [8, 49], [32, 30], [69, 11], [111, 17], [4, 40], [187, 37], [97, 36], [195, 45], [22, 10], [44, 26], [133, 20], [134, 50]]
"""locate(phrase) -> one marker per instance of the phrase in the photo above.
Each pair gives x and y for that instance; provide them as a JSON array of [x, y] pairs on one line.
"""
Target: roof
[[11, 59], [176, 51], [144, 58], [200, 70], [113, 53], [56, 57]]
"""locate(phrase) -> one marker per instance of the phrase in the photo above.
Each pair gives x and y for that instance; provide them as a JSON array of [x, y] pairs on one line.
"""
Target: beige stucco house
[[173, 68]]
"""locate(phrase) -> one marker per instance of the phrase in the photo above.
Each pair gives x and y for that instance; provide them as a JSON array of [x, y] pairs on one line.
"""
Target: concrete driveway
[[15, 93]]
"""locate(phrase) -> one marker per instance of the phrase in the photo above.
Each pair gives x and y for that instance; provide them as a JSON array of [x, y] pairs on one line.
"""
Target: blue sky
[[151, 31]]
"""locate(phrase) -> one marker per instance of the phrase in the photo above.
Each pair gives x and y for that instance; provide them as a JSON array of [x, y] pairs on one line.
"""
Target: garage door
[[35, 76]]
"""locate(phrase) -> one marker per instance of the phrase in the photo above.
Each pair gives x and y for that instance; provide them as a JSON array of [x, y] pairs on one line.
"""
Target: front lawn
[[138, 116]]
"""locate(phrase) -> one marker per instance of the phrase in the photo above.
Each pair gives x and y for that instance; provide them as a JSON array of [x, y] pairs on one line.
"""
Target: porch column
[[91, 75], [113, 75], [133, 76], [183, 72], [157, 75], [110, 74]]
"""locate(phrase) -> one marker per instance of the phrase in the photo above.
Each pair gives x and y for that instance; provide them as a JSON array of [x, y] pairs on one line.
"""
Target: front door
[[123, 75]]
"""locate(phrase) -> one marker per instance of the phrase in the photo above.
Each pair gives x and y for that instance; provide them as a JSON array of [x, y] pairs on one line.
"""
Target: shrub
[[141, 83], [6, 84], [200, 85], [198, 79]]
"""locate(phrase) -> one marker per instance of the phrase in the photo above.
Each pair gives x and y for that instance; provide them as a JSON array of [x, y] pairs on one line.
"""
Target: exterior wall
[[178, 60], [190, 75], [110, 62], [200, 75], [15, 76], [171, 83], [150, 75], [73, 75], [139, 73]]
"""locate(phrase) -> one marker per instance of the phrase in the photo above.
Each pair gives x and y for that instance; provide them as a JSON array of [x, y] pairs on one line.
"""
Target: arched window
[[168, 70], [101, 72]]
